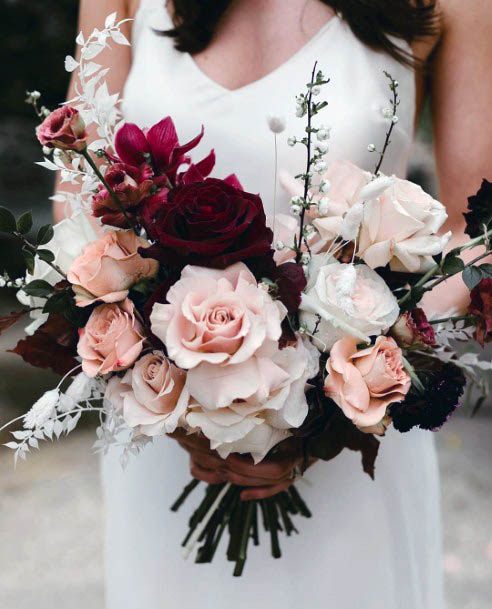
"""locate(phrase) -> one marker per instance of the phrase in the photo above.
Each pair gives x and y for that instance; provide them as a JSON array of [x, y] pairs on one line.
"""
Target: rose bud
[[64, 128], [130, 184], [413, 328], [481, 309]]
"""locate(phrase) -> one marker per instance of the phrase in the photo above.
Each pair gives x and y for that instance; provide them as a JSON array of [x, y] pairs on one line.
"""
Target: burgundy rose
[[481, 309], [64, 129], [209, 223], [413, 328], [130, 184], [160, 147], [291, 281]]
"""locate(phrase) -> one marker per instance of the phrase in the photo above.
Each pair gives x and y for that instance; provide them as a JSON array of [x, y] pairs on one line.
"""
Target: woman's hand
[[273, 475]]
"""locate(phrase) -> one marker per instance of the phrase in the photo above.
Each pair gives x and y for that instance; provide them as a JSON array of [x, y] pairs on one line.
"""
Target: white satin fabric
[[369, 545]]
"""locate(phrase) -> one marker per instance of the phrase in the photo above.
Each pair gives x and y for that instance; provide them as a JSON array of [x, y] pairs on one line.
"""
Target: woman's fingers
[[272, 470], [206, 475], [240, 480], [263, 492]]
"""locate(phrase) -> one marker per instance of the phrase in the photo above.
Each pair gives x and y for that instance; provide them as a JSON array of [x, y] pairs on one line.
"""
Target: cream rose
[[70, 236], [108, 267], [400, 228], [111, 340], [148, 396], [252, 406], [220, 317], [363, 383], [346, 299]]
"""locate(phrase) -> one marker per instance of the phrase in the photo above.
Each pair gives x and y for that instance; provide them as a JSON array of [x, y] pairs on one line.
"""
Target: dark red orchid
[[160, 147]]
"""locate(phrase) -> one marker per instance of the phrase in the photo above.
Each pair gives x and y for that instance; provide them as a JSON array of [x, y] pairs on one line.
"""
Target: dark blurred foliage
[[35, 36]]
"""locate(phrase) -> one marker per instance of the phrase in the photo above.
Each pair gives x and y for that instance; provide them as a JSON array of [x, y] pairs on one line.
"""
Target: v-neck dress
[[370, 544]]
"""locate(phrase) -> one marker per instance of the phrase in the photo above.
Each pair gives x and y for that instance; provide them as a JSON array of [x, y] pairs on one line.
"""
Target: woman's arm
[[92, 14], [462, 117]]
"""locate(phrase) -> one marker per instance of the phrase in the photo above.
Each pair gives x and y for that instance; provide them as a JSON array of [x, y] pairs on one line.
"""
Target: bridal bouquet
[[169, 303]]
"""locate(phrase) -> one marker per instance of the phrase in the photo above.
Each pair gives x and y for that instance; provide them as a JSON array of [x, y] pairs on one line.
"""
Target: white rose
[[248, 408], [70, 237], [347, 299], [400, 228]]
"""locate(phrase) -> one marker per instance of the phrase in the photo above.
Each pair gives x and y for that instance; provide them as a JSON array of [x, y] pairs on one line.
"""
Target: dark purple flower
[[479, 213], [443, 384]]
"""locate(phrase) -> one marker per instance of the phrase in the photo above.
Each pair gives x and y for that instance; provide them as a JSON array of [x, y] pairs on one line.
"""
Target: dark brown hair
[[375, 22]]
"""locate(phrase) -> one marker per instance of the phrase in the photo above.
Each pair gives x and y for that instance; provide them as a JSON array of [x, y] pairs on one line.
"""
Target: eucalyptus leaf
[[7, 221], [46, 255], [29, 260], [452, 265], [472, 276], [38, 288], [45, 234], [24, 223]]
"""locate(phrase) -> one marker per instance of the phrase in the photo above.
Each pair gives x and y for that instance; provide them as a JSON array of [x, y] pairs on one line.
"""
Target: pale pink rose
[[400, 227], [221, 317], [364, 382], [108, 267], [111, 340], [252, 406], [150, 395], [64, 129]]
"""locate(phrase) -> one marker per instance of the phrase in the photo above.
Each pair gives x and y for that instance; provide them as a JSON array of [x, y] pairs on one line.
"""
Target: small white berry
[[316, 90], [300, 110], [395, 119], [371, 148], [322, 135], [325, 186], [323, 206], [35, 95], [296, 209], [279, 245], [320, 166], [47, 151], [292, 141], [387, 112], [322, 147]]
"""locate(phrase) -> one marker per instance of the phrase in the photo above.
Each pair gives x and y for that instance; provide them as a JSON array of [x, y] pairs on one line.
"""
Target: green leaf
[[29, 260], [38, 288], [24, 223], [486, 270], [472, 276], [7, 221], [45, 234], [46, 255], [452, 265]]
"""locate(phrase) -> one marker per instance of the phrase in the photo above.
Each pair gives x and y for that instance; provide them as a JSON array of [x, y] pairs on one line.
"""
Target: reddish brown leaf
[[53, 345], [9, 320]]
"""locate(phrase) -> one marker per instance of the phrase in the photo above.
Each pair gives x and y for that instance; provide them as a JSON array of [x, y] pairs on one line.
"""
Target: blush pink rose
[[150, 395], [363, 383], [64, 128], [111, 340], [108, 267], [215, 316]]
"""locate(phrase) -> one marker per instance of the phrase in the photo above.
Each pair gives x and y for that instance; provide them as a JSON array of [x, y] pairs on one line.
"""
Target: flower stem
[[394, 103], [452, 319]]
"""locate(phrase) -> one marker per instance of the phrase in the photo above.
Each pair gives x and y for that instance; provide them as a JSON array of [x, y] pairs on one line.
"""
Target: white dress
[[369, 545]]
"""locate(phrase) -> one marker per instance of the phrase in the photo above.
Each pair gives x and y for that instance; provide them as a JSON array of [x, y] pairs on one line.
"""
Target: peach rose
[[149, 395], [363, 383], [111, 340], [108, 267], [220, 317]]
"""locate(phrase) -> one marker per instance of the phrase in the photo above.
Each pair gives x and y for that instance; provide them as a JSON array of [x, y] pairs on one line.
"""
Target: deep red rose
[[64, 129], [481, 309], [130, 184], [209, 223], [413, 328]]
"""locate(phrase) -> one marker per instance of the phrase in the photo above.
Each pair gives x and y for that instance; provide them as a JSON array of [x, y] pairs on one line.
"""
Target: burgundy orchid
[[160, 147]]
